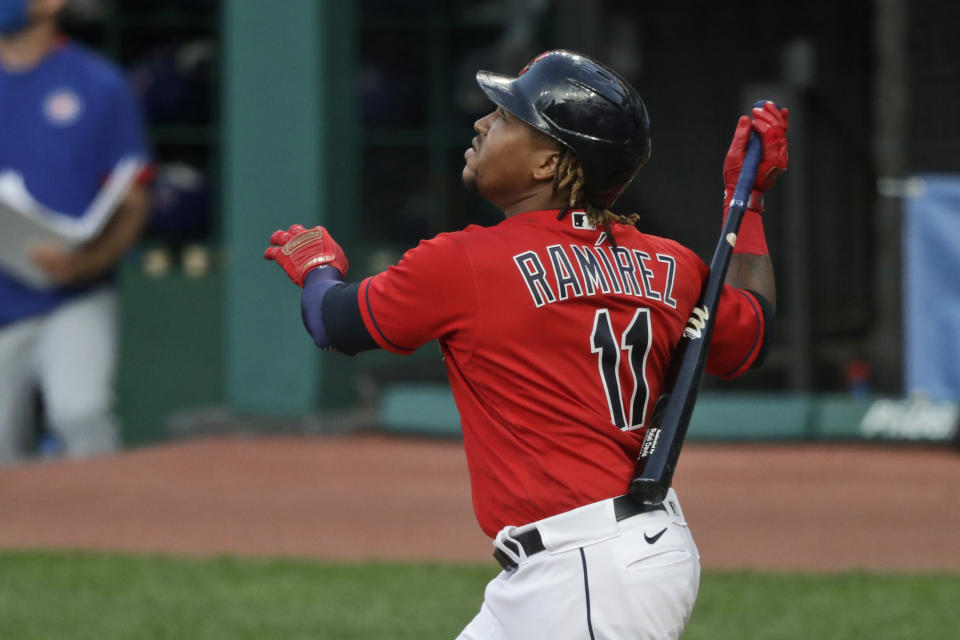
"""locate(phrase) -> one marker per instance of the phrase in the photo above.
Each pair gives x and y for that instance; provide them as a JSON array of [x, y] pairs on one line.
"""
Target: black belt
[[623, 507]]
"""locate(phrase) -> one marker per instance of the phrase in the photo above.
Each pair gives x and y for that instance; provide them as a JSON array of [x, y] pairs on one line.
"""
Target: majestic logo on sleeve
[[62, 107], [696, 323]]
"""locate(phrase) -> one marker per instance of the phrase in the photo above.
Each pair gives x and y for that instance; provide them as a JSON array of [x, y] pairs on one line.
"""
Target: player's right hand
[[771, 124], [299, 251]]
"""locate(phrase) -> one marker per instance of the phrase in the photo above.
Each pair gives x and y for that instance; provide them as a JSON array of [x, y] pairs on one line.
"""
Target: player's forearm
[[754, 273], [329, 307], [331, 313], [103, 252], [315, 286], [751, 267]]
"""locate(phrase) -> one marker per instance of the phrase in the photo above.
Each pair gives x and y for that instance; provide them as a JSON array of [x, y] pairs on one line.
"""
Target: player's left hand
[[770, 123], [299, 251]]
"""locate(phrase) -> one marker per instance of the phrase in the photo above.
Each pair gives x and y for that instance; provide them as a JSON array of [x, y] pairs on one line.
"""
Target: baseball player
[[557, 326]]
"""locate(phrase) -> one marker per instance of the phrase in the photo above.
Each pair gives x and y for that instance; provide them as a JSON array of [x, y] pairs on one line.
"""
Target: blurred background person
[[68, 123]]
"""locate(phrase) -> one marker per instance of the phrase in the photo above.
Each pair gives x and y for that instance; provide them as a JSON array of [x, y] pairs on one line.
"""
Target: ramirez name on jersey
[[602, 269]]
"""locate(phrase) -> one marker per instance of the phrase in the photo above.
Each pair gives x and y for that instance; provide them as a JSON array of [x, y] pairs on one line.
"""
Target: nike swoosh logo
[[655, 537]]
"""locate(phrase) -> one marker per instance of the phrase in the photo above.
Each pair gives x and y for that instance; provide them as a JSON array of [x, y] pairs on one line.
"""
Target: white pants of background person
[[71, 353], [597, 579]]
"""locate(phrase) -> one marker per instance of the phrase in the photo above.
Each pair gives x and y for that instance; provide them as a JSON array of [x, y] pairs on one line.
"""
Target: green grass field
[[105, 596]]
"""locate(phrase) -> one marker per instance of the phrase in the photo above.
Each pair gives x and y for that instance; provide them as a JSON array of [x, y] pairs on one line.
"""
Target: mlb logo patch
[[580, 221], [62, 107]]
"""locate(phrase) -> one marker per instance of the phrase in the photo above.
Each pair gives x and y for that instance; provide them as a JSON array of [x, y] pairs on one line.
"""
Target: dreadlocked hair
[[569, 175]]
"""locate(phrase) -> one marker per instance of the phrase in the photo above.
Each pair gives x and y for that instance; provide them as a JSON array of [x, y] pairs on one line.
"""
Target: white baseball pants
[[597, 579], [71, 353]]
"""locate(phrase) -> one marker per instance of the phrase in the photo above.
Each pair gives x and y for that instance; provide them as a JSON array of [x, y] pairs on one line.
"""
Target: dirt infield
[[813, 507]]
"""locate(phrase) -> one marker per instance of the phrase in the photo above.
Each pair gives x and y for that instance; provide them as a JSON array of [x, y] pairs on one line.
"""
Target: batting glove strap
[[754, 203]]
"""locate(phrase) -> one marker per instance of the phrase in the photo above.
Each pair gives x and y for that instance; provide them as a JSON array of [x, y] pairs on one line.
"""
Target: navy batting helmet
[[585, 106]]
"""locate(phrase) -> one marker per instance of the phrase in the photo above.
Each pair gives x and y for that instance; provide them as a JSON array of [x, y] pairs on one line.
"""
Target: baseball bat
[[660, 451]]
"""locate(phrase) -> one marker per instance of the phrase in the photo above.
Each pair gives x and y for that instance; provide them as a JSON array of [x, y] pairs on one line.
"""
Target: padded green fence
[[429, 409], [171, 350]]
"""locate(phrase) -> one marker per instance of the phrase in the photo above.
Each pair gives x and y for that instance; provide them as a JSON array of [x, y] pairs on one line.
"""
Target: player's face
[[499, 165]]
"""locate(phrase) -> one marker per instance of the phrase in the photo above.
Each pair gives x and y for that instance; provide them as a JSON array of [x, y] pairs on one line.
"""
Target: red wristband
[[751, 238]]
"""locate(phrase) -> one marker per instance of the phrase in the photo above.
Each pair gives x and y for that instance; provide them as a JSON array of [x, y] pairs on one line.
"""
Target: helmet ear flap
[[586, 107]]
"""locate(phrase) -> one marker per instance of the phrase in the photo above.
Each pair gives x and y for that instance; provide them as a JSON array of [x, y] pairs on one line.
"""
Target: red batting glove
[[300, 250], [771, 124]]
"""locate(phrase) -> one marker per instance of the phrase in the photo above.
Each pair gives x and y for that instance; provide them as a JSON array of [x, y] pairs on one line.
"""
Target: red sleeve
[[738, 334], [430, 294]]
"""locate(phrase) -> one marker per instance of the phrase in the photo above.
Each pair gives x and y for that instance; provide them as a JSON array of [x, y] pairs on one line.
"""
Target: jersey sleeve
[[741, 326], [739, 333], [430, 294]]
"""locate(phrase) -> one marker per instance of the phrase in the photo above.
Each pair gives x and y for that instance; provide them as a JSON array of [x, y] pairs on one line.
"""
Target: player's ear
[[546, 163]]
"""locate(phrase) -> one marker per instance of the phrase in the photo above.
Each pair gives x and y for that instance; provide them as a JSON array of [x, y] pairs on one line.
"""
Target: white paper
[[26, 223]]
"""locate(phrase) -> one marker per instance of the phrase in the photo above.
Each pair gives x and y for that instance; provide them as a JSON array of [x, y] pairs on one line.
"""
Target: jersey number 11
[[635, 341]]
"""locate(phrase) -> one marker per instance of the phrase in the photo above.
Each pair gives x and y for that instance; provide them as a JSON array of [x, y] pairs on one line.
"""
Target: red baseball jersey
[[556, 343]]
